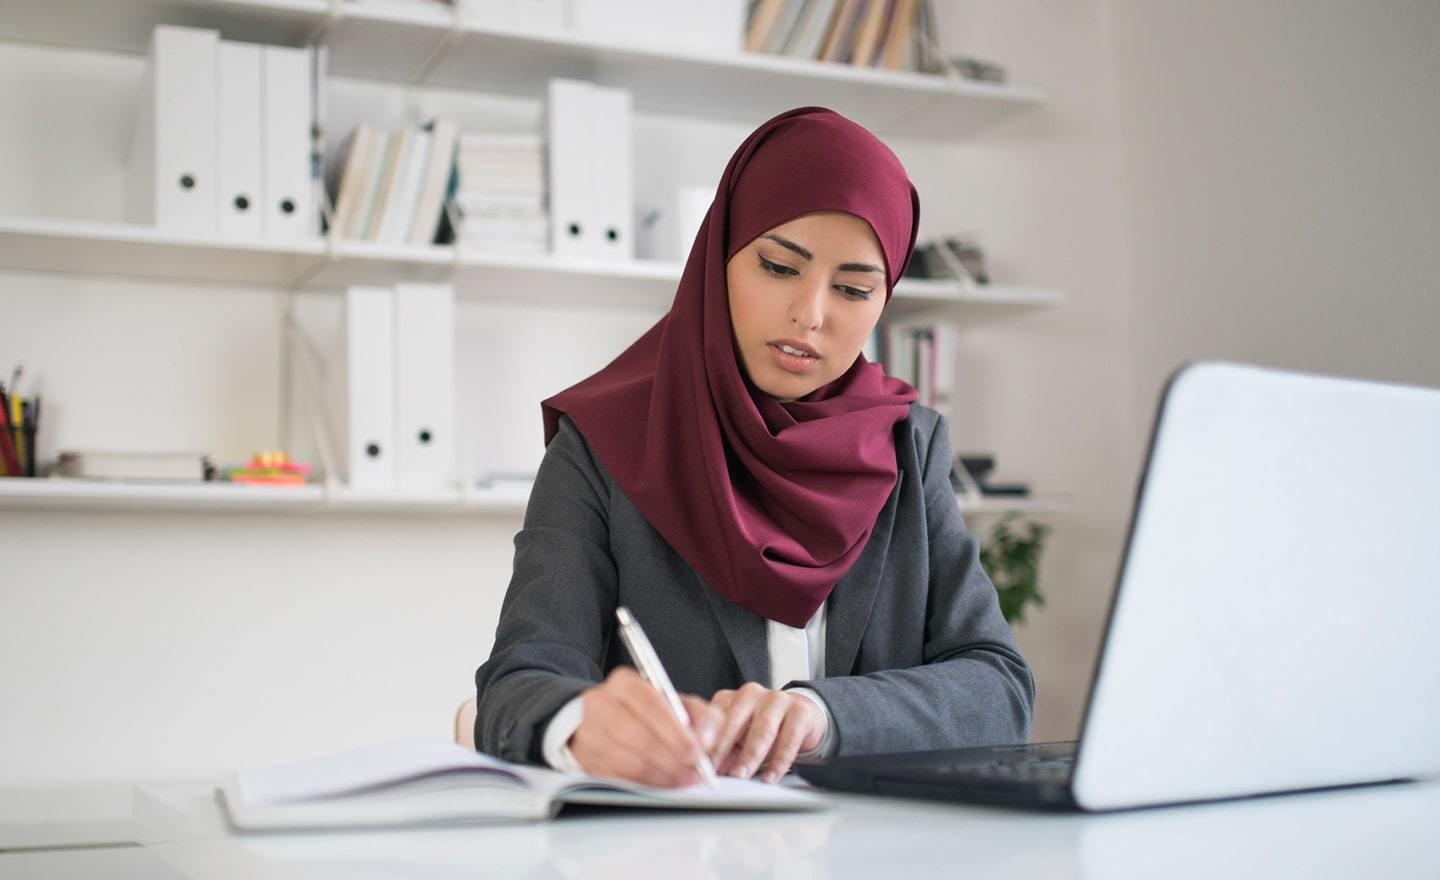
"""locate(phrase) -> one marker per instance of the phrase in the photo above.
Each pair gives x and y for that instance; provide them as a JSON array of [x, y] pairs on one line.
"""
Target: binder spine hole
[[574, 230], [612, 234], [287, 206], [424, 436], [187, 181], [373, 450], [242, 203]]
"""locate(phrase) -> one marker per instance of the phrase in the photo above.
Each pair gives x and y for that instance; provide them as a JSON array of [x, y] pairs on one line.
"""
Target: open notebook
[[432, 781]]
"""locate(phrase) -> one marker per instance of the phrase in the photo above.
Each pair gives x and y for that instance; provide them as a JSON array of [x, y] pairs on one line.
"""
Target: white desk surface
[[1386, 831]]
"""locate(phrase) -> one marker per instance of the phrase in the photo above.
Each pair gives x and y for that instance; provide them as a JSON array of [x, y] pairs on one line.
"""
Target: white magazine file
[[370, 387], [425, 384], [172, 181], [240, 189], [288, 201]]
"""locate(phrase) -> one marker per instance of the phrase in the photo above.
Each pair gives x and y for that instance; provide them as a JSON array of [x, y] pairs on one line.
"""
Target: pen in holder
[[20, 420]]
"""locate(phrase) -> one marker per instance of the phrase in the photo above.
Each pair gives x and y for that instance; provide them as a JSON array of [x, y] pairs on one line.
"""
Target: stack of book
[[392, 185], [139, 467], [501, 193], [887, 34]]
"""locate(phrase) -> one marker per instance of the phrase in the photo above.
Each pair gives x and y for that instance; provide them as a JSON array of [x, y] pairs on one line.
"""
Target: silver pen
[[650, 669]]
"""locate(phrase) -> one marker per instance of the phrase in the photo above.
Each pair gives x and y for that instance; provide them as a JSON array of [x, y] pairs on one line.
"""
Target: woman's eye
[[853, 293], [775, 268]]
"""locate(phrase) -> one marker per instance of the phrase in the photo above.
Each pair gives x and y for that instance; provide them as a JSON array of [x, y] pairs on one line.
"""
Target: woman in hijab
[[774, 509]]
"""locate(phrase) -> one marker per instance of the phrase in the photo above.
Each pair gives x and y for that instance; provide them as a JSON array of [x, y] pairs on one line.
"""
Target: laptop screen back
[[1277, 621]]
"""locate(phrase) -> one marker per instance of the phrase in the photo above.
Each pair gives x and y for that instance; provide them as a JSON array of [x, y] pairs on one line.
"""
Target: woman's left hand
[[763, 727]]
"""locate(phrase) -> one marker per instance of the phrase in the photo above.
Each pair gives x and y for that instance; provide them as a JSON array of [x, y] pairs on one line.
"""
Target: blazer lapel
[[745, 632], [848, 609]]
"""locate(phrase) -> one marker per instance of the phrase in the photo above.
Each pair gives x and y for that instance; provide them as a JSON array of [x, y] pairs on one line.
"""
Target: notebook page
[[728, 794], [362, 769]]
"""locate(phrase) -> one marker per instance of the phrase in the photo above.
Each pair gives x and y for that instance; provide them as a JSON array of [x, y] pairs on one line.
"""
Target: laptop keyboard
[[1026, 769]]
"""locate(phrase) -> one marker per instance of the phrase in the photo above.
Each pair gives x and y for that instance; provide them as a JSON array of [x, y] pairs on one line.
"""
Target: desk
[[1387, 831]]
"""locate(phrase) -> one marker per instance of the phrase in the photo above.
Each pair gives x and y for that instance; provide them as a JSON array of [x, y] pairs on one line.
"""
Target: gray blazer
[[917, 654]]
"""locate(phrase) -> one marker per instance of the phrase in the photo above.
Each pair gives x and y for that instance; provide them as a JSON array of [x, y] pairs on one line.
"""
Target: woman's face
[[815, 284]]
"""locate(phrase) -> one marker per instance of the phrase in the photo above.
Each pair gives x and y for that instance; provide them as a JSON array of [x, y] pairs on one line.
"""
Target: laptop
[[1276, 622]]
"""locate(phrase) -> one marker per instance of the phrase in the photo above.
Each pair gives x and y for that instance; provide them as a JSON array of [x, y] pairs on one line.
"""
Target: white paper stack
[[590, 150], [501, 194]]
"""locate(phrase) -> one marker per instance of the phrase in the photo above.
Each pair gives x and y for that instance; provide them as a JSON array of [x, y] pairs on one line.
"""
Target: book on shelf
[[392, 184], [924, 356], [864, 33], [436, 782], [168, 467]]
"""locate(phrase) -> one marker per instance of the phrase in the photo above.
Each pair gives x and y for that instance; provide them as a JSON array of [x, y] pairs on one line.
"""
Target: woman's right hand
[[628, 731]]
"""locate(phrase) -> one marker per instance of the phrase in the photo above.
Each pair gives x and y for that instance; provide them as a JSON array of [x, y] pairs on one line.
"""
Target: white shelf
[[1000, 505], [505, 500], [130, 250], [397, 42], [72, 494]]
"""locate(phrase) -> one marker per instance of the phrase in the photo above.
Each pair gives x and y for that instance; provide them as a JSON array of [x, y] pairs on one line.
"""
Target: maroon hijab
[[771, 503]]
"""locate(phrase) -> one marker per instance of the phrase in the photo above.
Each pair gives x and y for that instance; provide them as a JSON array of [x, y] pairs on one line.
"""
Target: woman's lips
[[791, 363]]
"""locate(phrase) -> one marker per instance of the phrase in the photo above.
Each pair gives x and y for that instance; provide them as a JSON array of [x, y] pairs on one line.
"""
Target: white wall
[[1048, 394], [1254, 181], [1283, 189]]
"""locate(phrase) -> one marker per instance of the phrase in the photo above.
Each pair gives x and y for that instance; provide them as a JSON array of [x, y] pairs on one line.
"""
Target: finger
[[763, 727], [646, 703], [625, 747], [793, 728], [732, 728], [611, 726]]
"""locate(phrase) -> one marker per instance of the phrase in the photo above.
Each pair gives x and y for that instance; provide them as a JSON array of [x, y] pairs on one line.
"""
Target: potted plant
[[1011, 556]]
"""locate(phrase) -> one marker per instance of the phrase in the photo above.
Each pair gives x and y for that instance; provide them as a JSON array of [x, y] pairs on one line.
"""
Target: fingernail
[[771, 776], [742, 772]]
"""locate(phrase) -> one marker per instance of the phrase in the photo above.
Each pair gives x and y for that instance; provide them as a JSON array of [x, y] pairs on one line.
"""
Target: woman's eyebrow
[[844, 267]]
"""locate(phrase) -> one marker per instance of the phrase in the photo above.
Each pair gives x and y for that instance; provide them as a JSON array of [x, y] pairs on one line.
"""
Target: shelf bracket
[[334, 11], [447, 41]]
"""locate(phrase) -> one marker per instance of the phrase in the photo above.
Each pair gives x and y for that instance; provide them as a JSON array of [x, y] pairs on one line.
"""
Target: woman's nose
[[807, 309]]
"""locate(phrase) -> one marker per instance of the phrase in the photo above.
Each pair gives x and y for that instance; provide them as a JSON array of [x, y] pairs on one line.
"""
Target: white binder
[[240, 134], [370, 387], [568, 147], [612, 175], [173, 158], [288, 201], [425, 384]]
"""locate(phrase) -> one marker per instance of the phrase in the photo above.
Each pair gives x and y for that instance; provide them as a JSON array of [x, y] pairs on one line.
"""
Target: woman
[[774, 509]]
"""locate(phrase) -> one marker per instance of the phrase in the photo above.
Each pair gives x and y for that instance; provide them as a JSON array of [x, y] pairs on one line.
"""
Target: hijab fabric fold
[[771, 503]]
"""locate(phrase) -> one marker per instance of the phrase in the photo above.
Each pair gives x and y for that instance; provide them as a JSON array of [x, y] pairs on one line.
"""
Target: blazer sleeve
[[973, 688], [554, 621]]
